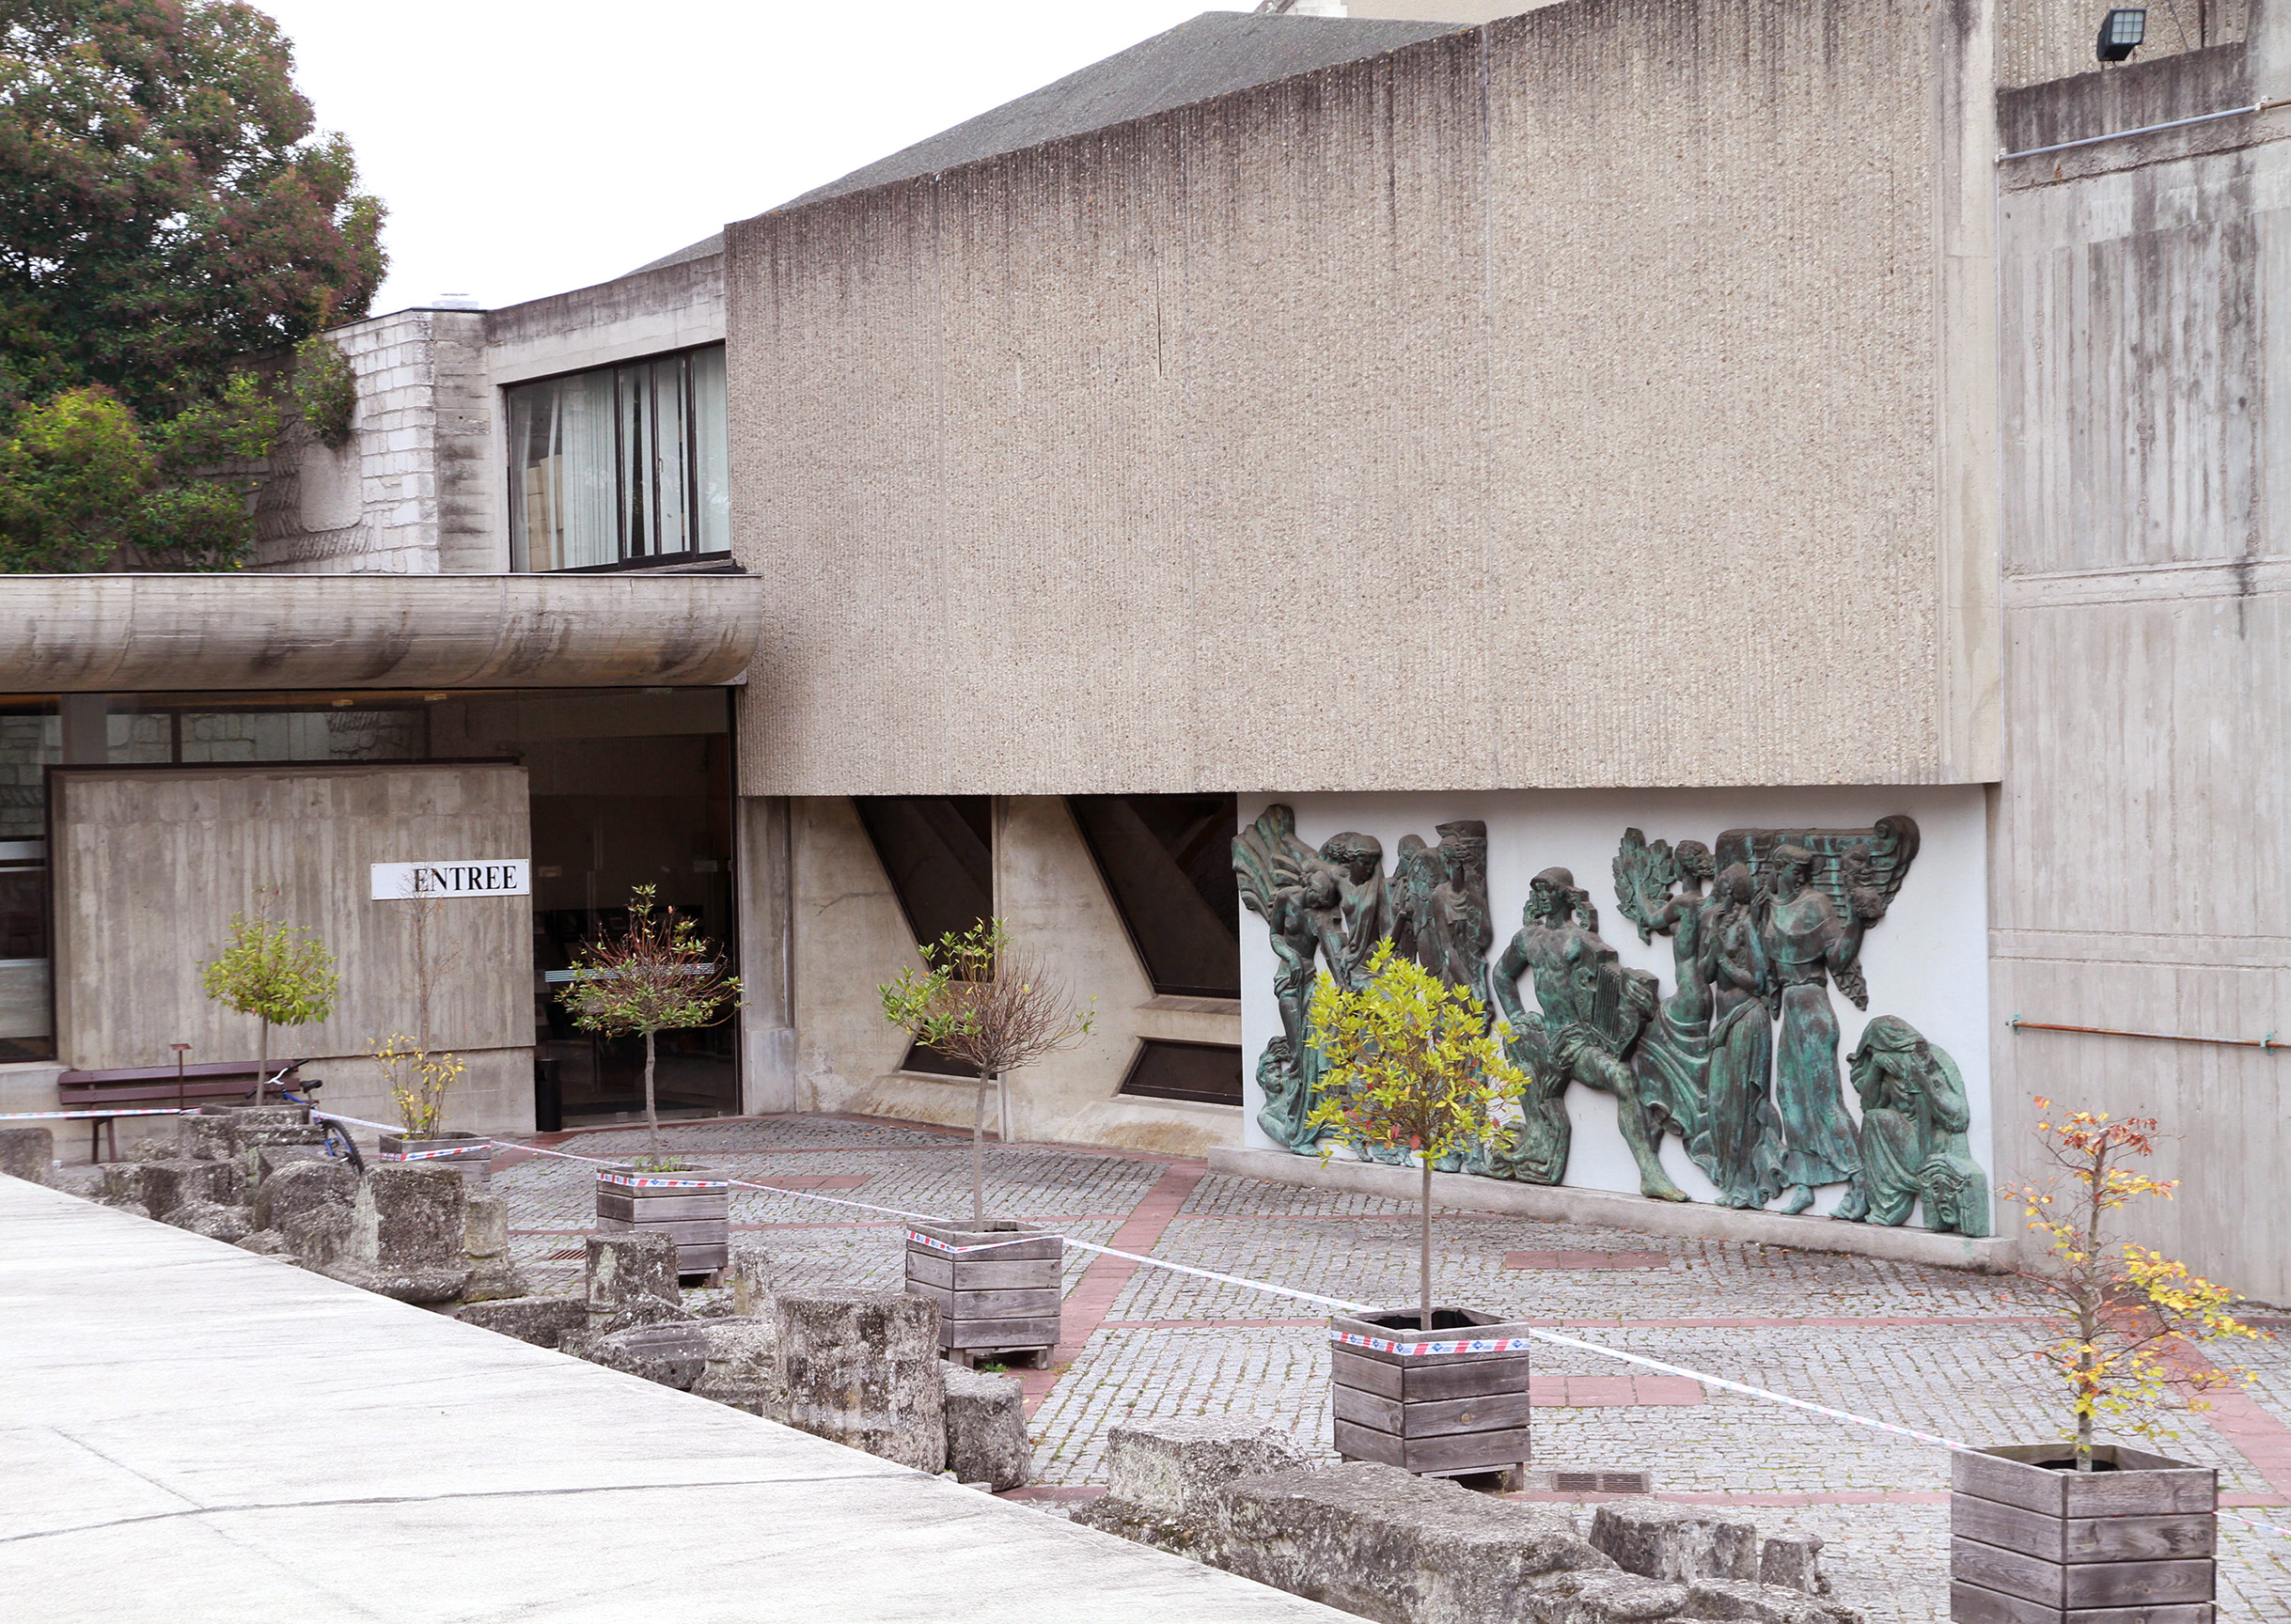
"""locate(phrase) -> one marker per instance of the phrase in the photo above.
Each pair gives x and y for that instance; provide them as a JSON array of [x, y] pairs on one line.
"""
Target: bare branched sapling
[[657, 975], [983, 1003]]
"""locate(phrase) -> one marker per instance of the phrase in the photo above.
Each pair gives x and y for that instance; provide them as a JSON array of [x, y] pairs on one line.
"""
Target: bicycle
[[338, 1143]]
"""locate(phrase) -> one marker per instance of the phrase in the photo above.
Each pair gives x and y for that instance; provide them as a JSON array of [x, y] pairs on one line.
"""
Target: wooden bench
[[145, 1086]]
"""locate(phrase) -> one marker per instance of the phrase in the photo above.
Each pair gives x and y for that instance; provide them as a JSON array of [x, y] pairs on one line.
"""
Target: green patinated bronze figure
[[1806, 941], [1913, 1121], [1590, 1012]]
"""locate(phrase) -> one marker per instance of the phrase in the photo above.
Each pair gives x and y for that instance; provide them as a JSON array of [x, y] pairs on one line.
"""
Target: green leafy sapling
[[280, 974], [1411, 1065]]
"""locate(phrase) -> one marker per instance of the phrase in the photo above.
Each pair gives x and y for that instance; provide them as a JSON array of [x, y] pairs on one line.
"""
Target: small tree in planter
[[990, 1007], [2125, 1309], [418, 1084], [2039, 1521], [1412, 1066], [657, 975], [993, 1008], [280, 974]]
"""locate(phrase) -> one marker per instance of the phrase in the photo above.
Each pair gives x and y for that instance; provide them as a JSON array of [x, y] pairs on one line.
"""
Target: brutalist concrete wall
[[645, 313], [2039, 40], [414, 489], [1600, 397], [2142, 874], [151, 864]]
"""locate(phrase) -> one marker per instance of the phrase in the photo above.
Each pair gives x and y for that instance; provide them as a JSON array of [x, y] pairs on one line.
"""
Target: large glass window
[[623, 465]]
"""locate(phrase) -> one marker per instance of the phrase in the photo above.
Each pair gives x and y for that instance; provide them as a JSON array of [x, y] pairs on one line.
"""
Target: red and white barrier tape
[[134, 1110], [1480, 1344], [1417, 1349]]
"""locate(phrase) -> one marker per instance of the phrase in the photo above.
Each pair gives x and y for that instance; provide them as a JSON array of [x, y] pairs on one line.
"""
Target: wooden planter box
[[692, 1207], [2033, 1544], [1450, 1404], [465, 1153], [1003, 1301]]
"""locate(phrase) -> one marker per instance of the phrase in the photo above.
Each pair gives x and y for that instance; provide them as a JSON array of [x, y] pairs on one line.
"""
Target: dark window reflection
[[939, 854], [1165, 1070], [1168, 861]]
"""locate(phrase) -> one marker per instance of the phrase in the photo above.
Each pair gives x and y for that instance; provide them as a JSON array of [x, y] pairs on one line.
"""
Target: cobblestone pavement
[[1937, 1350]]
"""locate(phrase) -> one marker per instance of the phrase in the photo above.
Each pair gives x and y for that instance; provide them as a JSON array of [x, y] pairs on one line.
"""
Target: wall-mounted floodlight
[[2122, 32]]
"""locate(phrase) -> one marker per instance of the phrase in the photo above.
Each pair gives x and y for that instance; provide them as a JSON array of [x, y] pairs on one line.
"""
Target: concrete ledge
[[1464, 1193]]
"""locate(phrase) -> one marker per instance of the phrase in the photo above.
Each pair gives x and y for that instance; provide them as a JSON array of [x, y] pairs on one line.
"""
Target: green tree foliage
[[166, 212], [1411, 1065], [326, 389], [984, 1005], [280, 974], [657, 975]]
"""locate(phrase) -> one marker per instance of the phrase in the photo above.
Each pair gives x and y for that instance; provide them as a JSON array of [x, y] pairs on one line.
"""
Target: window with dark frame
[[1167, 1069], [620, 466]]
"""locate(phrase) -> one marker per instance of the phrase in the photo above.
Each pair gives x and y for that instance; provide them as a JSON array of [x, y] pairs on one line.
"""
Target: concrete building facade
[[1727, 420]]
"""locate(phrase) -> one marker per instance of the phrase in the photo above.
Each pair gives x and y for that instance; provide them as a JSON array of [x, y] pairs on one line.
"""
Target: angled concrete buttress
[[195, 1434]]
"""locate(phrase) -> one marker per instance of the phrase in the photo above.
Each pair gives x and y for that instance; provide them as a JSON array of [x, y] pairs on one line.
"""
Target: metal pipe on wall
[[2017, 1024]]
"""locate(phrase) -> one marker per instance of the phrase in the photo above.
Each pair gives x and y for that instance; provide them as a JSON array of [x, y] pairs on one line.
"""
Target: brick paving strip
[[1092, 1296]]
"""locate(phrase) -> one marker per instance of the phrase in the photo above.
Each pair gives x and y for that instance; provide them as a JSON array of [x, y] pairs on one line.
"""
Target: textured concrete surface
[[215, 1436], [2141, 868], [1940, 1349], [1499, 411], [94, 633], [152, 864]]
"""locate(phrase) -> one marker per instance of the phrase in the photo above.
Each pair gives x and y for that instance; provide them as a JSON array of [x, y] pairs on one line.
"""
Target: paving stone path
[[1937, 1350]]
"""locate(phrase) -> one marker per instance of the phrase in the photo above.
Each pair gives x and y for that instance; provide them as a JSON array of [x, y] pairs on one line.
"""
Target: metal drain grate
[[1594, 1482], [566, 1255]]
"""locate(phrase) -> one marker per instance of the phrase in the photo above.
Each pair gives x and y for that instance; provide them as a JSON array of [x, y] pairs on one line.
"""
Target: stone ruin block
[[214, 1221], [625, 1267], [486, 1244], [1659, 1542], [540, 1320], [1381, 1543], [407, 1230], [1385, 1543], [986, 1428], [163, 1186], [742, 1368], [752, 1276], [206, 1136], [261, 1160], [28, 1154], [862, 1369], [257, 1125], [1793, 1561], [673, 1353], [301, 1186]]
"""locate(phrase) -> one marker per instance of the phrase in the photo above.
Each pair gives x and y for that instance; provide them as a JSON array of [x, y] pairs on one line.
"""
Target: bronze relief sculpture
[[1740, 1061]]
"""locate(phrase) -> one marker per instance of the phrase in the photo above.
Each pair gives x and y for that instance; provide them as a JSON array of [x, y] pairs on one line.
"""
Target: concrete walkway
[[191, 1432]]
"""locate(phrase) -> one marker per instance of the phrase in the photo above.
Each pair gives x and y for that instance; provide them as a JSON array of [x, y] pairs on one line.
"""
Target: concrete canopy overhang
[[115, 633]]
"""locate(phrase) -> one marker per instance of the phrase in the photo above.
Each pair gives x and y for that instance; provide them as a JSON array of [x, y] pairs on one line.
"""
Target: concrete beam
[[218, 1436], [105, 633], [1697, 1220]]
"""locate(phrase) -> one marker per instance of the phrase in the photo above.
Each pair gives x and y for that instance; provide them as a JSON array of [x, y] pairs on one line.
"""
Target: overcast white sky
[[526, 147]]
